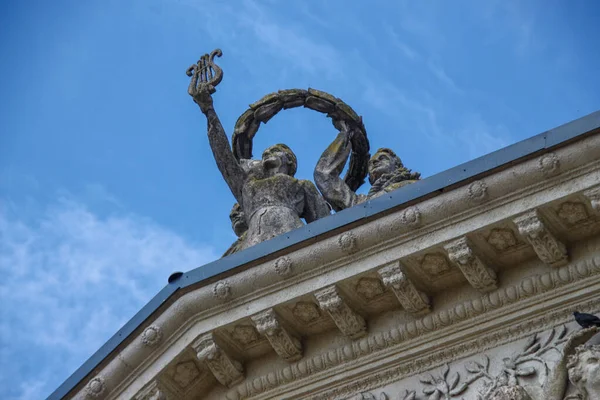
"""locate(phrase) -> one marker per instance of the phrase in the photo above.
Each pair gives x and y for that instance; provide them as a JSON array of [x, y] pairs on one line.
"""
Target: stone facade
[[467, 294]]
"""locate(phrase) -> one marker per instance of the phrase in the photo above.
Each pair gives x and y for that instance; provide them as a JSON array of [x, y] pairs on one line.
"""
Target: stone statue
[[584, 371], [386, 172], [239, 226], [579, 365], [272, 200]]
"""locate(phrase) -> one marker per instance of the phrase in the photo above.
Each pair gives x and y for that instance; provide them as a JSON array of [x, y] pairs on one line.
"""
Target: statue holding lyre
[[271, 199]]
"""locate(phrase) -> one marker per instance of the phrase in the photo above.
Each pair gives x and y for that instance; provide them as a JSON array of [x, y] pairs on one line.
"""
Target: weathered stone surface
[[413, 300], [319, 104], [479, 275], [155, 391], [347, 320], [285, 344], [385, 169], [267, 111], [548, 248], [270, 98], [272, 201], [225, 369]]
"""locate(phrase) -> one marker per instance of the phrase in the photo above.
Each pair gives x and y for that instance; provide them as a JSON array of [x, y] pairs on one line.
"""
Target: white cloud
[[403, 47], [480, 138], [71, 279], [288, 41], [440, 73]]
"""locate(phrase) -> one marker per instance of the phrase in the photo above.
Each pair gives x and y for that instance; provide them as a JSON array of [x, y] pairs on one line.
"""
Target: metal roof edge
[[436, 183]]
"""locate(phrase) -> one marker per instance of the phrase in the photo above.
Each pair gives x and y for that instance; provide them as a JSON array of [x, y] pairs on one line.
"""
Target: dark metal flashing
[[430, 186]]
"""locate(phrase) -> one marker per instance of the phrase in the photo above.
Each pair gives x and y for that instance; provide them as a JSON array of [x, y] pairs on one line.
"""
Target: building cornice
[[424, 219]]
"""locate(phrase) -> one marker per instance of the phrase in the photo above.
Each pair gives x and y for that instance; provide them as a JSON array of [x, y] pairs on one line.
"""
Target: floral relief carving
[[152, 335], [96, 388], [411, 216], [478, 191], [572, 213], [222, 290], [502, 239], [245, 334], [549, 163], [369, 288], [347, 242], [185, 373], [306, 311], [435, 264], [283, 266]]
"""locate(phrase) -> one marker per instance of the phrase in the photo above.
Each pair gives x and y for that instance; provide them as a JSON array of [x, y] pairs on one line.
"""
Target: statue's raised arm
[[330, 166], [385, 169], [205, 76]]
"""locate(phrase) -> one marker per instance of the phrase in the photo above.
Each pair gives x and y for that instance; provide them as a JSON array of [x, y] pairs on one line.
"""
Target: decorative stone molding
[[283, 266], [479, 275], [444, 356], [155, 391], [369, 288], [413, 300], [572, 213], [306, 312], [538, 287], [549, 164], [502, 239], [347, 242], [502, 380], [435, 265], [381, 239], [478, 191], [245, 334], [96, 388], [347, 320], [411, 216], [222, 290], [283, 342], [152, 336], [185, 374], [227, 370], [593, 195], [548, 248]]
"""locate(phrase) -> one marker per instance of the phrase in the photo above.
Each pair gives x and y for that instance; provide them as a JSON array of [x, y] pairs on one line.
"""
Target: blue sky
[[107, 183]]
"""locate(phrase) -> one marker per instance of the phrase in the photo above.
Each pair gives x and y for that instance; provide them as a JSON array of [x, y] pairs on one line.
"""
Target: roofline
[[430, 186]]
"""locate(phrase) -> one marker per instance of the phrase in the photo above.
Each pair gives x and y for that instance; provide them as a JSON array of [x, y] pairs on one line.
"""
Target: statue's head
[[384, 161], [584, 370], [279, 159], [238, 220]]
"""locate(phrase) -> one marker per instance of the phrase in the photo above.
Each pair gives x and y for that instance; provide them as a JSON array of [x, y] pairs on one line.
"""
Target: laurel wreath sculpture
[[266, 108]]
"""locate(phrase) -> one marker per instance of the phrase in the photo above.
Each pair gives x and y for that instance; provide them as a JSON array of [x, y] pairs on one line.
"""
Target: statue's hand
[[347, 131], [202, 94]]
